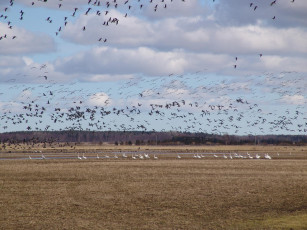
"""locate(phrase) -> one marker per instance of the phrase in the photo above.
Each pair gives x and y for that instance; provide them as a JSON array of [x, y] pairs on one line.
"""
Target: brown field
[[280, 152], [168, 193]]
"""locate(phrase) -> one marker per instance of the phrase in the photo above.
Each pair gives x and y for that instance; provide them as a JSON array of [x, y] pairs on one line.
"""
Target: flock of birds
[[98, 7], [144, 156], [175, 104], [101, 8], [165, 102]]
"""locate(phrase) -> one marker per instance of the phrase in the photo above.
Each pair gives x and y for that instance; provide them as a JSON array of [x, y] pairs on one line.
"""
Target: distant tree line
[[147, 138]]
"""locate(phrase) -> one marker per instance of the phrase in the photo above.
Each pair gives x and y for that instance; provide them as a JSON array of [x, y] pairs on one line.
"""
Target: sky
[[224, 67]]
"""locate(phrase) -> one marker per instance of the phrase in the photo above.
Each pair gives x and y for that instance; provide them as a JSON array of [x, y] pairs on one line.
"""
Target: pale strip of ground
[[280, 152]]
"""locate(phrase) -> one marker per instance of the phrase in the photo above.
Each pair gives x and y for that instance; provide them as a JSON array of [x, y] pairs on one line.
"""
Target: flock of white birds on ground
[[144, 156], [143, 103]]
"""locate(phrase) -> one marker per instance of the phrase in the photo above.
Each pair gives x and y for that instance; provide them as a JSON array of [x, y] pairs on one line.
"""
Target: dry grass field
[[280, 152], [168, 193]]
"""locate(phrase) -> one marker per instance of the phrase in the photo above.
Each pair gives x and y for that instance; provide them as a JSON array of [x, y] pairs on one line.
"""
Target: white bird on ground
[[115, 156], [79, 157], [267, 156], [249, 156], [84, 157], [133, 157], [155, 157], [230, 156], [225, 156], [215, 155], [146, 156], [258, 156], [178, 156], [43, 157], [30, 157], [97, 156], [124, 155], [141, 156]]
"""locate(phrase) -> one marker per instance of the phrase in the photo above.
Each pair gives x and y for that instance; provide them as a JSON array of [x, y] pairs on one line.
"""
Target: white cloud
[[108, 60], [10, 107], [99, 99], [294, 99], [185, 37], [10, 61], [25, 42], [24, 95], [195, 34], [107, 77], [100, 62]]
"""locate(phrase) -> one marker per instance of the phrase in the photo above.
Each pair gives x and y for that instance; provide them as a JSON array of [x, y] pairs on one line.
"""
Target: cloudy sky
[[142, 52]]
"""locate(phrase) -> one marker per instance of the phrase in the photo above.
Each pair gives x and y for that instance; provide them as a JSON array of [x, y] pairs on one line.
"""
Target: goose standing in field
[[178, 156], [249, 156], [133, 157], [43, 157], [115, 156], [216, 156], [124, 155], [257, 156], [224, 156], [141, 156], [267, 156], [79, 157], [30, 157], [155, 157], [97, 156], [230, 156], [84, 157], [146, 156]]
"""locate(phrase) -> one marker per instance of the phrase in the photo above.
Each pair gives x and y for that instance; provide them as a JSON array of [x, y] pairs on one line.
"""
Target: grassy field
[[280, 152], [172, 193]]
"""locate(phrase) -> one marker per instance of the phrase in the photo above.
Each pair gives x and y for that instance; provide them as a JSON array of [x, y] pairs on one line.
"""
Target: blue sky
[[184, 52]]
